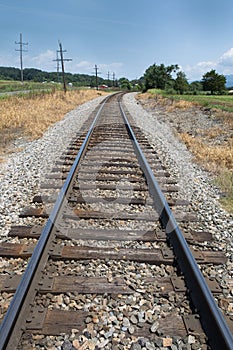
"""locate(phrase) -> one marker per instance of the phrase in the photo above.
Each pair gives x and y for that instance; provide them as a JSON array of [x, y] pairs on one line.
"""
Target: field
[[9, 86], [212, 146], [29, 115], [221, 102]]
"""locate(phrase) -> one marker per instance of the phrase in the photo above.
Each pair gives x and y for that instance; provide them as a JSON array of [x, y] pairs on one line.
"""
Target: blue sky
[[123, 37]]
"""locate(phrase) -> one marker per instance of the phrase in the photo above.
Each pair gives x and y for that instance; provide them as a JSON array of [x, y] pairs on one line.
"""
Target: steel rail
[[15, 307], [214, 325], [213, 322]]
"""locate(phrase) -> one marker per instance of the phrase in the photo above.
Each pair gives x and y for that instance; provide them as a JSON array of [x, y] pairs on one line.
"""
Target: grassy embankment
[[30, 115], [216, 157]]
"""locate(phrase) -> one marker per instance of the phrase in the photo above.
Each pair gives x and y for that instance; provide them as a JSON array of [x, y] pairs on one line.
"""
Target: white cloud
[[206, 65], [43, 61], [222, 65], [196, 72], [84, 65], [115, 66], [110, 69], [46, 61], [226, 59], [87, 67], [7, 60]]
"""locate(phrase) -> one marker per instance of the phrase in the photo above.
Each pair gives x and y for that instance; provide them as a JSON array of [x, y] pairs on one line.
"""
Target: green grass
[[222, 102], [9, 86]]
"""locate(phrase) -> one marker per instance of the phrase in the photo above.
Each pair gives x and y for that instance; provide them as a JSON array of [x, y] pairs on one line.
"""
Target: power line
[[21, 44]]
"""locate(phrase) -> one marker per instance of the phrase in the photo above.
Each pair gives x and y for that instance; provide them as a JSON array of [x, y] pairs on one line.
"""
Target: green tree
[[124, 83], [196, 86], [138, 84], [159, 76], [10, 73], [181, 84], [213, 82]]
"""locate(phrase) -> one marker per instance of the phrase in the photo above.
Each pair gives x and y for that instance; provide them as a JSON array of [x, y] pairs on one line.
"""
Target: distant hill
[[229, 80], [32, 74]]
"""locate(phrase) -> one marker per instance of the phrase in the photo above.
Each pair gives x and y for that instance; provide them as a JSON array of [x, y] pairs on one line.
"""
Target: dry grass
[[153, 98], [211, 156], [218, 160], [226, 117], [210, 133], [30, 115], [213, 133], [169, 103], [225, 182], [180, 104], [212, 146]]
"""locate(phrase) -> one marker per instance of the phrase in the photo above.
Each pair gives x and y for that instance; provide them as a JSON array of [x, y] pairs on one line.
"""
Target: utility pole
[[108, 78], [62, 59], [113, 79], [96, 76], [21, 44]]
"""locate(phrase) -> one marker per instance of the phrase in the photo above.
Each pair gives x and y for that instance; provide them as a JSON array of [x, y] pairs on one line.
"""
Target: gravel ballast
[[194, 183], [24, 171]]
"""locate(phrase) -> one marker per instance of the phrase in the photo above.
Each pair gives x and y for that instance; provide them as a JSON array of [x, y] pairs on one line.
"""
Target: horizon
[[93, 75]]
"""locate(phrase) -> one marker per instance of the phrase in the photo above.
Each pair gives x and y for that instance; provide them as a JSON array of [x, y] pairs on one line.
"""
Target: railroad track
[[111, 268]]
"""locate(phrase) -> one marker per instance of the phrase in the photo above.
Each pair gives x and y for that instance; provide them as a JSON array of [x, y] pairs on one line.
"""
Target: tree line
[[173, 80], [169, 78], [37, 75]]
